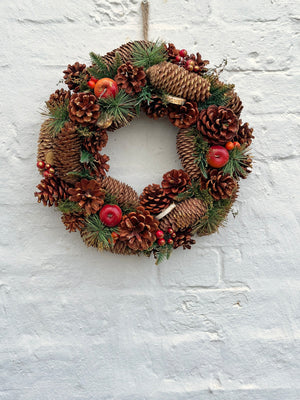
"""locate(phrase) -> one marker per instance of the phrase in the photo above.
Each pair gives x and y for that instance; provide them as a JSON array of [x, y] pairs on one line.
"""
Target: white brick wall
[[218, 322]]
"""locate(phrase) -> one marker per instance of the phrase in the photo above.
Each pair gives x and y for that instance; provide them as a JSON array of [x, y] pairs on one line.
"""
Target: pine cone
[[84, 109], [51, 190], [156, 108], [175, 182], [88, 194], [218, 125], [121, 248], [137, 229], [234, 103], [125, 51], [244, 135], [219, 185], [95, 143], [73, 221], [67, 147], [183, 239], [186, 151], [45, 144], [172, 51], [183, 116], [184, 215], [178, 81], [125, 195], [130, 78], [154, 199], [74, 74], [59, 97], [101, 165]]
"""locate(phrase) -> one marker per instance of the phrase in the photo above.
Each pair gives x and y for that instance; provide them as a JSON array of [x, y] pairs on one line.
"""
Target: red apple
[[217, 156], [106, 87], [110, 215]]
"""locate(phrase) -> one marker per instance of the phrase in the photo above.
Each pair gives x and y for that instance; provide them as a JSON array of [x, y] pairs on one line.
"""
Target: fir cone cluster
[[101, 165], [125, 51], [130, 78], [183, 116], [88, 194], [244, 134], [51, 190], [175, 182], [235, 103], [154, 199], [183, 239], [73, 221], [219, 185], [96, 142], [218, 125], [156, 108], [74, 74], [59, 97], [84, 109], [137, 229]]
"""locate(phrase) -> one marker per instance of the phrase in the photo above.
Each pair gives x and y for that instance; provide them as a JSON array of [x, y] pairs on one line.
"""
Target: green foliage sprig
[[87, 158], [101, 70], [218, 95], [120, 108], [57, 115], [161, 253], [67, 206], [154, 53], [237, 162], [98, 234], [194, 190]]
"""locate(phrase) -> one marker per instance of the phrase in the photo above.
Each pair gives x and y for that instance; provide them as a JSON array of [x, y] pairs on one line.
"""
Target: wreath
[[212, 144]]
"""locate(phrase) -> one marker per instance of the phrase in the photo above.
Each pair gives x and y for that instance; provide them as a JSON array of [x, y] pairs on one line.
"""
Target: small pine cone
[[121, 248], [74, 74], [59, 97], [183, 116], [154, 199], [184, 215], [67, 147], [179, 82], [244, 135], [51, 190], [95, 143], [101, 165], [183, 239], [172, 51], [219, 185], [130, 78], [73, 221], [175, 182], [156, 108], [137, 229], [125, 51], [234, 103], [198, 61], [186, 151], [88, 194], [45, 144], [125, 195], [84, 109], [218, 125]]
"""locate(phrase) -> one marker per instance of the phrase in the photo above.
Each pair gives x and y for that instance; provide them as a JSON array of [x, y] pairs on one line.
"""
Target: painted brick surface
[[218, 322]]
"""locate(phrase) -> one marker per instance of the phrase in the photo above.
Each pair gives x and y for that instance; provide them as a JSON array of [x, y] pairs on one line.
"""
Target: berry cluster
[[48, 170], [165, 238], [189, 62]]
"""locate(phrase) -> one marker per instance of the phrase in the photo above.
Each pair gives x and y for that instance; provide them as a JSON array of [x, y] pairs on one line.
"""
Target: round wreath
[[212, 144]]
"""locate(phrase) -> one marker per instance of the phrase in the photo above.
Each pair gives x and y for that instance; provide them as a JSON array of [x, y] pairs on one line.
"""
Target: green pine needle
[[57, 115], [145, 57], [200, 152], [98, 234], [237, 162], [161, 253], [194, 190], [120, 107], [67, 206], [113, 69], [144, 96], [84, 173], [218, 97], [99, 69]]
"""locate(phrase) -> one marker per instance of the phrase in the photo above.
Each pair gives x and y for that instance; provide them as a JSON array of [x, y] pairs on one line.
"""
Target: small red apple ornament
[[110, 215], [106, 87], [217, 156]]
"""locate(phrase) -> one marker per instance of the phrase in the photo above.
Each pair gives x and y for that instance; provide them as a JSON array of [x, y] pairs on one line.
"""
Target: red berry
[[94, 79], [196, 68], [183, 53], [177, 58], [190, 62], [47, 166], [229, 145], [236, 144], [40, 164], [170, 241], [159, 234], [190, 68], [51, 170], [173, 235], [170, 231], [47, 174], [161, 242], [91, 84]]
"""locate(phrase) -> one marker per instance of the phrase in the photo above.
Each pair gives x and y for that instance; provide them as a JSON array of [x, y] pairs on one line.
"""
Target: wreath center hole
[[142, 152]]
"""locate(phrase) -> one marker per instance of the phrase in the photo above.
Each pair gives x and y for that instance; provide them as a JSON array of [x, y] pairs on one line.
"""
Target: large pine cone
[[156, 108], [67, 147], [88, 194], [130, 78], [175, 182], [184, 215], [51, 190], [95, 143], [234, 103], [74, 75], [73, 221], [121, 248], [186, 151], [84, 109], [219, 185], [183, 239], [154, 199], [125, 195], [125, 51], [218, 125], [138, 229], [59, 97], [244, 135], [183, 116]]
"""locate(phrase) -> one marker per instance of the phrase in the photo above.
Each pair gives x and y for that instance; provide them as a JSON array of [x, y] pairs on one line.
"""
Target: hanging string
[[145, 15]]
